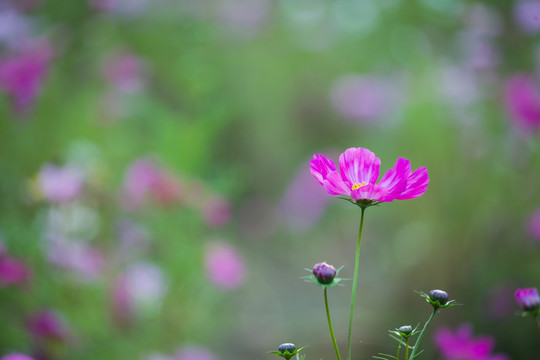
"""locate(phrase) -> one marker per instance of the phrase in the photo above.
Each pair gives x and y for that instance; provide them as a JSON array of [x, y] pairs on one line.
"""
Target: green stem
[[330, 324], [407, 348], [355, 281], [422, 333], [537, 317]]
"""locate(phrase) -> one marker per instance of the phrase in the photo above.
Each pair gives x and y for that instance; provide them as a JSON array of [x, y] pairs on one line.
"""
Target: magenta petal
[[359, 165], [370, 192], [320, 167], [334, 185], [417, 184], [395, 179]]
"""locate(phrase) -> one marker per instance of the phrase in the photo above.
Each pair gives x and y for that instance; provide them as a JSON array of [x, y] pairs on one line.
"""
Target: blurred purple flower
[[534, 225], [500, 302], [16, 356], [363, 98], [22, 74], [224, 266], [194, 353], [216, 212], [124, 72], [47, 325], [60, 184], [461, 345], [120, 7], [484, 20], [527, 15], [527, 299], [139, 291], [303, 203], [15, 28], [80, 258], [13, 271], [243, 16], [145, 180], [522, 100], [459, 86]]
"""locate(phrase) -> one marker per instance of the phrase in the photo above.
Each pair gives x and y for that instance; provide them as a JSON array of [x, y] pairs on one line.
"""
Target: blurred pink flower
[[145, 180], [527, 15], [15, 28], [47, 325], [359, 172], [362, 97], [224, 266], [13, 271], [527, 299], [461, 345], [80, 258], [16, 356], [216, 212], [244, 16], [194, 353], [60, 184], [522, 100], [534, 225], [303, 203], [139, 291], [22, 74], [124, 71]]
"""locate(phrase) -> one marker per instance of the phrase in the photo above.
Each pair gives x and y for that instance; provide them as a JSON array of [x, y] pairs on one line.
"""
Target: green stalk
[[355, 281], [422, 333], [330, 324], [407, 348]]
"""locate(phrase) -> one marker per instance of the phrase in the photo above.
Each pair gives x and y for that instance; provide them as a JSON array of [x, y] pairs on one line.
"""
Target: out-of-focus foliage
[[155, 197]]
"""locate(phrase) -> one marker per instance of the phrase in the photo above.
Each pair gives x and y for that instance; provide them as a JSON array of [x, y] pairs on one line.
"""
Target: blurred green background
[[168, 143]]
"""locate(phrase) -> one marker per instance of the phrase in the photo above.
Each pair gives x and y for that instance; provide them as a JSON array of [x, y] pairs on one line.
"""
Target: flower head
[[324, 273], [287, 350], [438, 299], [461, 345], [225, 266], [528, 300], [358, 175]]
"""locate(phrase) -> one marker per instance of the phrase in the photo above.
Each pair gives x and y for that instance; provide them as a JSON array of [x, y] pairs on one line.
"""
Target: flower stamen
[[358, 185]]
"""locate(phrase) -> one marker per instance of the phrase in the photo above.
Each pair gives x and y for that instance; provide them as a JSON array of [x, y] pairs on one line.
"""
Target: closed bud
[[438, 296], [324, 273], [405, 330], [287, 347]]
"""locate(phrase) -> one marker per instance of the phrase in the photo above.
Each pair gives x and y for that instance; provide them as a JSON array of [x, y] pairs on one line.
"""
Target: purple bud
[[324, 273], [287, 347], [527, 299], [438, 295]]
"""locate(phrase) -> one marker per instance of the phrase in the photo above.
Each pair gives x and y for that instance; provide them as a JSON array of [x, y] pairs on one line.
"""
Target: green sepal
[[398, 335], [286, 354], [526, 313]]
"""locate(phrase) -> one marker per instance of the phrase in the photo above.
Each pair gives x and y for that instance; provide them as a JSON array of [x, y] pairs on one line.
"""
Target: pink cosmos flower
[[13, 271], [461, 345], [534, 225], [60, 184], [147, 180], [527, 299], [522, 100], [16, 356], [124, 72], [358, 175], [224, 266], [22, 74], [47, 325]]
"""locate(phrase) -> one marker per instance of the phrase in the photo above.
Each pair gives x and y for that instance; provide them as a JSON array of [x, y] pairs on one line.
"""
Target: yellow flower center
[[358, 185]]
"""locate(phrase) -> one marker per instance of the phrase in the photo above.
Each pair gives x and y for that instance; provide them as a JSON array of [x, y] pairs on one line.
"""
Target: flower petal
[[369, 192], [320, 167], [417, 184], [359, 165], [395, 179], [334, 185]]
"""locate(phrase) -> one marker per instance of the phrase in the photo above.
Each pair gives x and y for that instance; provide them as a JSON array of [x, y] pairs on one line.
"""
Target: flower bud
[[405, 330], [287, 347], [324, 273], [438, 295], [528, 299]]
